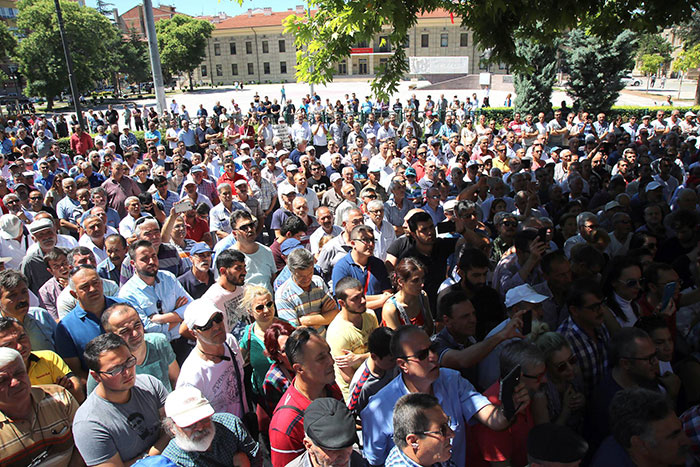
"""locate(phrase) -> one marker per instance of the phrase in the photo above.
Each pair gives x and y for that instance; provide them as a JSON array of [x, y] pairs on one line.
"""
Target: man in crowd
[[200, 277], [259, 262], [119, 187]]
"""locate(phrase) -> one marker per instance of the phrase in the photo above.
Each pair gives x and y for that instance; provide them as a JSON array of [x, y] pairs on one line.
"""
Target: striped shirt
[[49, 438], [293, 302]]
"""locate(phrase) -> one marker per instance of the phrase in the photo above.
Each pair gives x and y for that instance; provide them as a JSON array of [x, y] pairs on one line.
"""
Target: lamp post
[[69, 66]]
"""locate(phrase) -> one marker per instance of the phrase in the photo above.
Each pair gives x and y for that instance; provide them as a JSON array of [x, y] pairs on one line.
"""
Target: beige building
[[253, 48]]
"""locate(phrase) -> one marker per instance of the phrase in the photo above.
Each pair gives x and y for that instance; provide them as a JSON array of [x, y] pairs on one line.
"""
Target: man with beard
[[215, 365], [587, 223], [259, 262], [204, 438], [200, 277], [154, 356], [226, 293], [348, 333], [556, 271], [157, 295], [120, 422], [310, 357]]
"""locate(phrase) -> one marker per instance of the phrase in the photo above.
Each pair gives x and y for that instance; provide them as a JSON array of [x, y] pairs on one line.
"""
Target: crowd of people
[[413, 286]]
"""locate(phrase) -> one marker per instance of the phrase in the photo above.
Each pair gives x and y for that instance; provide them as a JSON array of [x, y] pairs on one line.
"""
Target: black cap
[[329, 424], [554, 443]]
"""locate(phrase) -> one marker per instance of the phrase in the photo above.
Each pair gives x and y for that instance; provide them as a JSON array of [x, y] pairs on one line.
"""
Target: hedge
[[498, 113], [64, 143]]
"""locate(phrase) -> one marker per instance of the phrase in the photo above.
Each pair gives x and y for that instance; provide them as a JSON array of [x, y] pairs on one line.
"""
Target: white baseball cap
[[523, 293], [186, 406]]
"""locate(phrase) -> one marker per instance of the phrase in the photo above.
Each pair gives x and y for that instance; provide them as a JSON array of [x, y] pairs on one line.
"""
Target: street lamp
[[69, 66]]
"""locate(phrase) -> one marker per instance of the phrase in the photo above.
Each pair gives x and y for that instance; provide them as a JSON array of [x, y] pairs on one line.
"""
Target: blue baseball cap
[[200, 247]]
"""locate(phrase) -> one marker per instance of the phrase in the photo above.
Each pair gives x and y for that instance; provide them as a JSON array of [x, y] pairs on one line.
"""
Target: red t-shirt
[[486, 445], [81, 145], [287, 424], [226, 178], [197, 229]]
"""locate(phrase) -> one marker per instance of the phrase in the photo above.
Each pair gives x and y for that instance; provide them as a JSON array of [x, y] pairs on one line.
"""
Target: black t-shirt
[[435, 264], [489, 308], [112, 116], [320, 185]]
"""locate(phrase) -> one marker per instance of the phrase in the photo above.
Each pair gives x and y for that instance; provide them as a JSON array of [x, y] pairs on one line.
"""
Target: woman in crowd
[[409, 305], [143, 181], [564, 387], [55, 193], [280, 375], [622, 285]]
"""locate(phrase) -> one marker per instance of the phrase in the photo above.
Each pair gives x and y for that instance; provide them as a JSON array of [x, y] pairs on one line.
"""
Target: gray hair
[[465, 205], [10, 279], [130, 199], [521, 353], [395, 183], [140, 226], [585, 216], [409, 416], [8, 356], [98, 191], [299, 259], [299, 140], [375, 204], [8, 197], [632, 413]]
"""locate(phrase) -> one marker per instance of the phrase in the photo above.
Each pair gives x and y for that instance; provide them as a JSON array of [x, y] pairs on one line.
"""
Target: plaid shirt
[[592, 355], [691, 426], [274, 386], [397, 458], [265, 192]]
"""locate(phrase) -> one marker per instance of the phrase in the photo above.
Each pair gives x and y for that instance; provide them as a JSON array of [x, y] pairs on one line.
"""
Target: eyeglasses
[[509, 223], [35, 198], [594, 306], [249, 226], [262, 306], [651, 359], [631, 282], [422, 354], [561, 366], [376, 211], [218, 318], [366, 241], [539, 378], [371, 196], [119, 369], [445, 429]]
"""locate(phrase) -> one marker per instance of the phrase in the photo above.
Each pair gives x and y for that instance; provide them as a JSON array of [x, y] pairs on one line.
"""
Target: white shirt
[[319, 233], [627, 310], [383, 237]]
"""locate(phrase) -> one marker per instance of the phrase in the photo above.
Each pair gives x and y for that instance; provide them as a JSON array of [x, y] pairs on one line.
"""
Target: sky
[[208, 7]]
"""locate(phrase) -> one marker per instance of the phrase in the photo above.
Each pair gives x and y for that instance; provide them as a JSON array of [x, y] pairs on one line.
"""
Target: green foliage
[[651, 63], [687, 59], [326, 38], [499, 113], [40, 54], [596, 66], [103, 7], [182, 42], [689, 30], [133, 60], [533, 86], [654, 44], [7, 41]]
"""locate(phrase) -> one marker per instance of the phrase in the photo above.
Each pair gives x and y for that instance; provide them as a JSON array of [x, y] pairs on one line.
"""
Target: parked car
[[629, 80]]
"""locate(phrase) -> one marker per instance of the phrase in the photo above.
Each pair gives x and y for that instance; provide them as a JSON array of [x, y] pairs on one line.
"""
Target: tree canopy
[[40, 54], [7, 45], [328, 35], [182, 42], [533, 88]]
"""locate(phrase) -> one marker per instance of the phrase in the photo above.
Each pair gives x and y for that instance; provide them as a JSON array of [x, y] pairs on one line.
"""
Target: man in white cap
[[44, 234], [204, 438], [13, 240], [689, 125], [333, 197], [215, 365], [287, 194], [521, 302]]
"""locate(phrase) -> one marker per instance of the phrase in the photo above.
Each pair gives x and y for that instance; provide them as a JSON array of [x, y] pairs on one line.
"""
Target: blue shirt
[[153, 134], [76, 329], [159, 298], [107, 270], [456, 395], [170, 199], [224, 244], [378, 277], [40, 327]]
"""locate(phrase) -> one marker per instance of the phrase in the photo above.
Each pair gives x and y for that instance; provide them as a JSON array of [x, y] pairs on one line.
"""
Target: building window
[[424, 40], [283, 68], [234, 69], [219, 69], [266, 68], [265, 47], [249, 47], [203, 70], [443, 39], [283, 46], [232, 48], [250, 68], [217, 49], [463, 39], [343, 68]]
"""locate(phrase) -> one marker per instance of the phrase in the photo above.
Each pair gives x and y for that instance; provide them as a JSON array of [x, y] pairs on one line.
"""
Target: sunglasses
[[250, 226], [561, 366], [632, 283], [119, 369], [444, 430], [510, 224], [262, 306], [218, 318], [422, 354]]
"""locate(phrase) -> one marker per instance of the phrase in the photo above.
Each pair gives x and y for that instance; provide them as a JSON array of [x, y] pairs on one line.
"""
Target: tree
[[326, 37], [654, 44], [133, 59], [689, 58], [596, 67], [40, 54], [7, 46], [650, 64], [182, 42], [103, 7], [533, 86]]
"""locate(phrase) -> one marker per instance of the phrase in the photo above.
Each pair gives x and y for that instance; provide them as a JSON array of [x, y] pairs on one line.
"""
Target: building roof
[[258, 18]]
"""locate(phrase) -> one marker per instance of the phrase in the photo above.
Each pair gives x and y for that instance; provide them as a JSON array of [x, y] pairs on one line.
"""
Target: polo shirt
[[293, 302], [287, 424], [46, 367], [456, 395], [487, 445], [444, 341], [50, 440], [374, 277], [611, 453], [193, 286], [76, 329]]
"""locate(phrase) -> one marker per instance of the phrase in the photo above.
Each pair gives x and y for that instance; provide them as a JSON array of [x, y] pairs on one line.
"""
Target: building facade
[[132, 21], [252, 48]]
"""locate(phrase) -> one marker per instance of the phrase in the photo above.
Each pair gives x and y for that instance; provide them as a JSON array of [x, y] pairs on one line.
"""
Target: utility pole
[[155, 56], [69, 66]]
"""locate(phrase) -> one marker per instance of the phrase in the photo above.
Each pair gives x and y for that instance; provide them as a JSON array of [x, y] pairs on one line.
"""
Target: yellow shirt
[[46, 367], [501, 165], [343, 335]]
